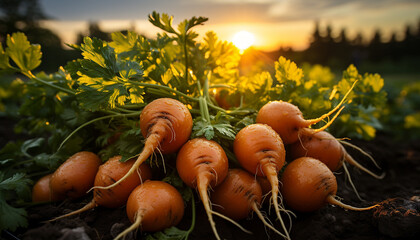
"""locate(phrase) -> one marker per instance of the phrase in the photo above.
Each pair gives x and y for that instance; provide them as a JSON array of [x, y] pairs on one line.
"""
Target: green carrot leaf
[[27, 56]]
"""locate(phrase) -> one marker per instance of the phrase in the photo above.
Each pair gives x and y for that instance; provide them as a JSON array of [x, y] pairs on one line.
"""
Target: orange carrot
[[308, 184], [108, 173], [203, 164], [324, 147], [260, 150], [75, 176], [153, 206], [287, 120], [166, 124], [239, 195], [41, 191]]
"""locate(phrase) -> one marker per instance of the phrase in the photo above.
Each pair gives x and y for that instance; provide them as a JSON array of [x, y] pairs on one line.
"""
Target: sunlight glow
[[243, 40]]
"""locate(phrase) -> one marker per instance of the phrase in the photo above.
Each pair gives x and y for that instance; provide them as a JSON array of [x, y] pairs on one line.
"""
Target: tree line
[[336, 51]]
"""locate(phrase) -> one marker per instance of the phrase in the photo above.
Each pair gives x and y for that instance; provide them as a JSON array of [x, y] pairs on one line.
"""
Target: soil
[[398, 216]]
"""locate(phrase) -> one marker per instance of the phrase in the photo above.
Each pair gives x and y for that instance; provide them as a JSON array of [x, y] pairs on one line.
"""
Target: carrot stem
[[30, 75], [329, 122], [332, 200], [92, 121], [262, 218], [348, 158], [316, 120], [192, 217], [92, 204], [134, 226]]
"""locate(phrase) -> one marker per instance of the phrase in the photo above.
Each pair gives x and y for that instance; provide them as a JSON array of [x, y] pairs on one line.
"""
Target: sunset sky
[[274, 23]]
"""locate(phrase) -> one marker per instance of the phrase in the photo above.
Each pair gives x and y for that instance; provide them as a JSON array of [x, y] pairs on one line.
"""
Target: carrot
[[324, 147], [166, 124], [308, 184], [260, 150], [41, 191], [153, 206], [203, 164], [75, 176], [239, 195], [288, 121], [227, 98], [108, 173]]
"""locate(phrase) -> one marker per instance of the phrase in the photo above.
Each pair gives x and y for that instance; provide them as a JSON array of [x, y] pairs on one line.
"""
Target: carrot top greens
[[94, 102]]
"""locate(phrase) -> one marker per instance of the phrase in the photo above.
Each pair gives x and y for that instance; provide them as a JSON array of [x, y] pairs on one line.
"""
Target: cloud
[[218, 11], [292, 10]]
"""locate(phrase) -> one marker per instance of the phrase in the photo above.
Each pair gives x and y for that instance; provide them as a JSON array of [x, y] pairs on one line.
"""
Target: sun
[[243, 40]]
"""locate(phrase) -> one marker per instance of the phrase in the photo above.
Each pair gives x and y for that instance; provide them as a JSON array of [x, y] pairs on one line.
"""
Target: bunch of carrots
[[304, 184]]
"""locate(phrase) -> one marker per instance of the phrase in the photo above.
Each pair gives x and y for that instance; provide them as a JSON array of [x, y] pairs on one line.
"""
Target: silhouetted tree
[[409, 42], [342, 37], [328, 38], [417, 39], [24, 16], [316, 35], [393, 47], [358, 40], [342, 49], [93, 31], [318, 48], [376, 46], [19, 15]]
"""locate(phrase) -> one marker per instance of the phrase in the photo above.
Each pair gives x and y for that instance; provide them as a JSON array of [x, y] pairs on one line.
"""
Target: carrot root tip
[[332, 200], [361, 151], [134, 226], [231, 221], [348, 176], [348, 158], [92, 204], [264, 221]]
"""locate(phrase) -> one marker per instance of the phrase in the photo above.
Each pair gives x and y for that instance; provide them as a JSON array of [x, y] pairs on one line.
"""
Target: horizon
[[271, 21]]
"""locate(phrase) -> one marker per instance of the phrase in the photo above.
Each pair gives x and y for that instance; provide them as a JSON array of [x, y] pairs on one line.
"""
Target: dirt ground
[[395, 219]]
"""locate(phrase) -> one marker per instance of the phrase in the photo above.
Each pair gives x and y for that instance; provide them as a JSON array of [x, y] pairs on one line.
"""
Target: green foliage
[[25, 55], [13, 189], [315, 92], [171, 233], [403, 111], [218, 129]]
